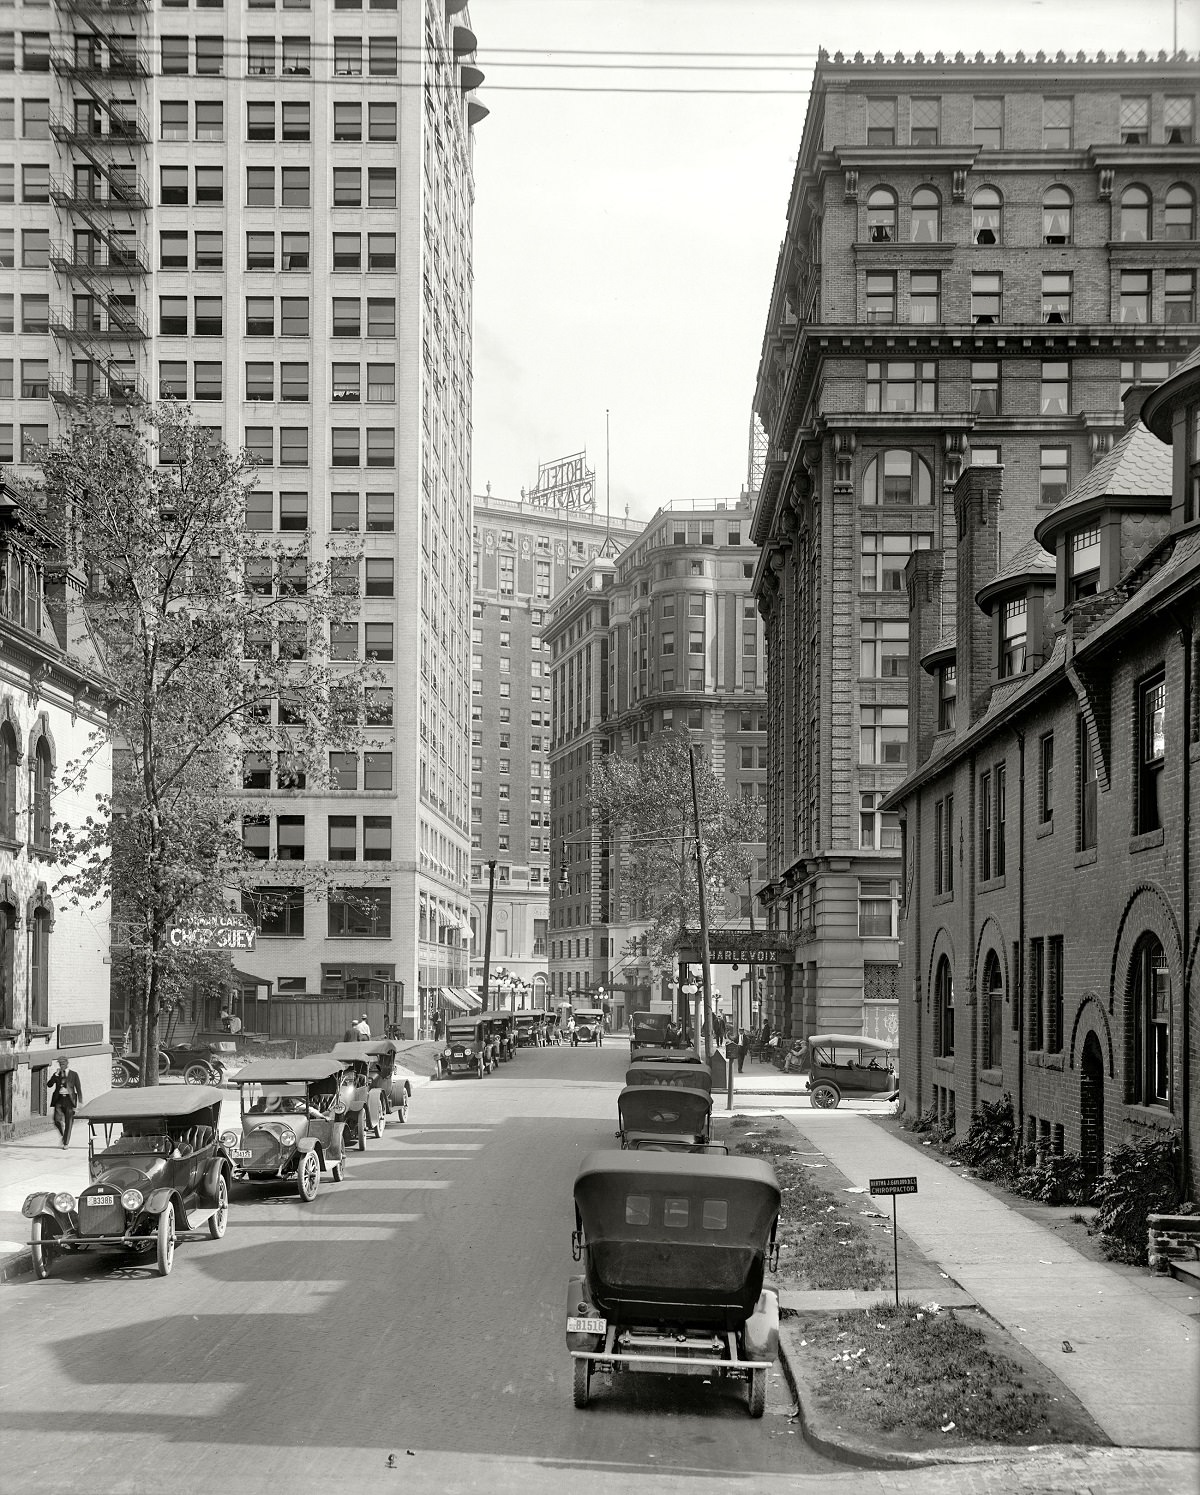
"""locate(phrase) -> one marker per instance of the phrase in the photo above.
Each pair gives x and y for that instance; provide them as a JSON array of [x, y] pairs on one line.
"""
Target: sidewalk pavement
[[1134, 1360]]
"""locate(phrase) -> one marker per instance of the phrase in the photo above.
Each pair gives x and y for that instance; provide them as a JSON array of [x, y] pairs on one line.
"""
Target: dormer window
[[1014, 636], [1085, 563], [947, 695]]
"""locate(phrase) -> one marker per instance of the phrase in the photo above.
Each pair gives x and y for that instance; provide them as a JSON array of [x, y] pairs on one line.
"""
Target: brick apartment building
[[979, 257], [525, 550], [667, 638], [264, 207], [54, 700], [1050, 928]]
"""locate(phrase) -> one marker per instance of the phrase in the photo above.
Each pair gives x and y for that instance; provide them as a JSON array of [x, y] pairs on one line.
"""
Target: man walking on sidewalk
[[66, 1094]]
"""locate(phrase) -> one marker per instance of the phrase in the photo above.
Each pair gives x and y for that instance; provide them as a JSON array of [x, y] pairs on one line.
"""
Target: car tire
[[40, 1250], [337, 1171], [825, 1097], [402, 1107], [361, 1134], [120, 1076], [381, 1124], [197, 1074], [166, 1241], [581, 1382], [308, 1176], [219, 1219], [164, 1064], [758, 1393], [479, 1069]]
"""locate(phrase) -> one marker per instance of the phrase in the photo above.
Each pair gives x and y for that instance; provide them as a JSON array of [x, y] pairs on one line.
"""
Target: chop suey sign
[[213, 932]]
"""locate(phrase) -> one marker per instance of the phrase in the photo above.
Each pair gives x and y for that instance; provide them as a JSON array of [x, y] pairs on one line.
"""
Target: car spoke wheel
[[758, 1392], [166, 1241], [582, 1382], [337, 1172], [39, 1245], [361, 1134], [196, 1074], [308, 1176], [479, 1069], [219, 1218], [381, 1124], [402, 1108], [164, 1064], [825, 1097], [120, 1077]]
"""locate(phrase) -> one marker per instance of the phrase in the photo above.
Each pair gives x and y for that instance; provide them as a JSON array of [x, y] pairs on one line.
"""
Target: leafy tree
[[214, 636], [644, 803]]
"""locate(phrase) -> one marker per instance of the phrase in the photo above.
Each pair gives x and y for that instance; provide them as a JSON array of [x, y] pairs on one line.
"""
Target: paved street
[[414, 1311]]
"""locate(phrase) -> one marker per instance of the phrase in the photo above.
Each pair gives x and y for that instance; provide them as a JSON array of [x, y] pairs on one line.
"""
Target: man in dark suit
[[66, 1094]]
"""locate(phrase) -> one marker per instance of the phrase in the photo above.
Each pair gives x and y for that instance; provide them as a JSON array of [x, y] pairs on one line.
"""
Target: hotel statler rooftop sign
[[737, 947]]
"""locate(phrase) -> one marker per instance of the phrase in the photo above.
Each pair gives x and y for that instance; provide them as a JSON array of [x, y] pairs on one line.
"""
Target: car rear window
[[675, 1213], [715, 1215], [637, 1209]]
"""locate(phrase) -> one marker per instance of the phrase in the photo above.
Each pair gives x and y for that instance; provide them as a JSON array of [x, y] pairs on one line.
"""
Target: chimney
[[928, 620], [1132, 401], [977, 497]]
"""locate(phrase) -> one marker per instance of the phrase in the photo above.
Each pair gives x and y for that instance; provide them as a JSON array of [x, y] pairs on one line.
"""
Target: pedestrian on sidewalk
[[362, 1029], [66, 1095], [743, 1048]]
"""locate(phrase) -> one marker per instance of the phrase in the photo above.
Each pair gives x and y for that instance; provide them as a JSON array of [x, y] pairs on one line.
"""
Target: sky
[[626, 234]]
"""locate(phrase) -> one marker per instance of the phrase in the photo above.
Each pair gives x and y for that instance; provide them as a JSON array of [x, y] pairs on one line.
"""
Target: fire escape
[[101, 258]]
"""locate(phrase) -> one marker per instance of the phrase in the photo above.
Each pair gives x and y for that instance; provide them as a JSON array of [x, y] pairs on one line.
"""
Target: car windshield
[[138, 1138], [275, 1100]]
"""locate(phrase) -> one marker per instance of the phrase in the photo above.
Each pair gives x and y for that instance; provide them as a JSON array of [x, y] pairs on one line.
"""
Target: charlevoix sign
[[737, 946], [213, 932]]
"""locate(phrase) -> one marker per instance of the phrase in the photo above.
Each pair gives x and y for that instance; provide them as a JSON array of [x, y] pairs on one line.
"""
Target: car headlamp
[[229, 1139], [132, 1199], [64, 1202], [445, 1053], [339, 1108], [287, 1136]]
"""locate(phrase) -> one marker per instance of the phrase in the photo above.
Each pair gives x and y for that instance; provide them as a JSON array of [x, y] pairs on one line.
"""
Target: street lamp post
[[487, 938]]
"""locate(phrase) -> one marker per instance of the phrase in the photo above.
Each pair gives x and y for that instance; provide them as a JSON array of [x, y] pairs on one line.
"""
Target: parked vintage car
[[589, 1026], [468, 1049], [505, 1024], [384, 1073], [531, 1029], [647, 1030], [674, 1249], [126, 1069], [848, 1064], [661, 1072], [664, 1116], [293, 1114], [203, 1061], [156, 1166], [361, 1093]]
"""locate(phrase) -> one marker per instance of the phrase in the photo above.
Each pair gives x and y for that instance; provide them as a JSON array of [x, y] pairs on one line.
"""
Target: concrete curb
[[15, 1264], [835, 1444]]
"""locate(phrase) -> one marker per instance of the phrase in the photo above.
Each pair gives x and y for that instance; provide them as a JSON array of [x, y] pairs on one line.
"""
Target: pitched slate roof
[[1138, 467]]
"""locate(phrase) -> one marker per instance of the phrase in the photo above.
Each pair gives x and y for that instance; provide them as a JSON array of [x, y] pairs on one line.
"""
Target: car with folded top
[[158, 1173], [293, 1122]]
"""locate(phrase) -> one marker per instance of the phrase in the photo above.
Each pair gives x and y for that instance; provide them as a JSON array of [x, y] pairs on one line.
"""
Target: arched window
[[8, 947], [1056, 216], [881, 216], [986, 209], [897, 477], [1135, 213], [42, 773], [943, 995], [39, 969], [1179, 215], [8, 783], [926, 222], [993, 996], [1150, 998], [32, 599]]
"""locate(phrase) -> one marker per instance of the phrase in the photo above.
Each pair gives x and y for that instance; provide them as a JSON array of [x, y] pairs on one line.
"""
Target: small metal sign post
[[880, 1188]]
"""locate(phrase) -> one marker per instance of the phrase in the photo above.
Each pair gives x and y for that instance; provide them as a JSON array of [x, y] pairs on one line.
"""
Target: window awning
[[472, 999], [451, 998]]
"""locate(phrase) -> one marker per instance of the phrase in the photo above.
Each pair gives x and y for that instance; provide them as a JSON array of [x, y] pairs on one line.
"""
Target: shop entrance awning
[[450, 998], [473, 1000]]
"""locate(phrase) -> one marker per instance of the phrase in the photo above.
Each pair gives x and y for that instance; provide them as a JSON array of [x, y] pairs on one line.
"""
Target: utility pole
[[708, 1046], [487, 938], [750, 891]]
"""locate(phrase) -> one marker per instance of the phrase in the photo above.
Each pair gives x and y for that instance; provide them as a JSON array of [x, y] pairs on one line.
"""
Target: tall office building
[[525, 551], [268, 213], [667, 638], [980, 256]]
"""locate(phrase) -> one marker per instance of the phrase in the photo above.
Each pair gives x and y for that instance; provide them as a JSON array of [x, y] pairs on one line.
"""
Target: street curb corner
[[15, 1264]]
